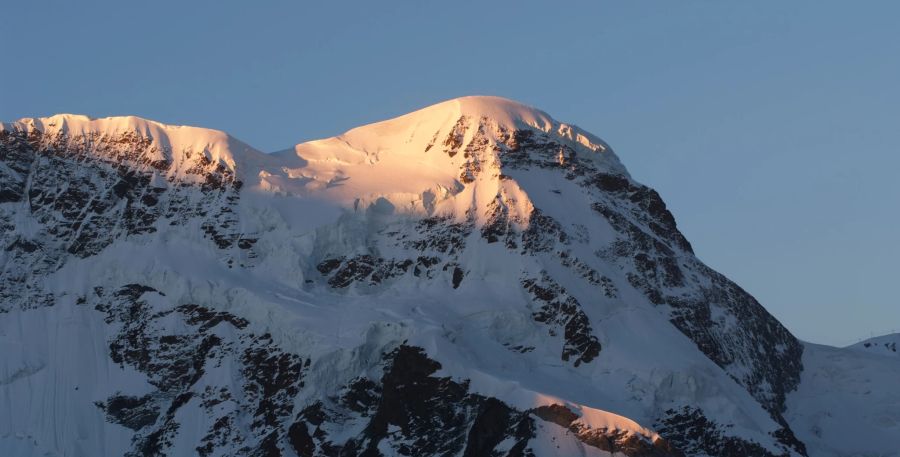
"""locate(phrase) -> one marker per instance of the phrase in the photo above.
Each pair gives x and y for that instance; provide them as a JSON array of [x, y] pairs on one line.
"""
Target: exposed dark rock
[[328, 265], [693, 433], [543, 233], [86, 191], [132, 412], [458, 275], [490, 428], [207, 319], [612, 441], [440, 235], [454, 140], [300, 440], [364, 269], [648, 207], [174, 364], [414, 413], [588, 273], [558, 414], [561, 310]]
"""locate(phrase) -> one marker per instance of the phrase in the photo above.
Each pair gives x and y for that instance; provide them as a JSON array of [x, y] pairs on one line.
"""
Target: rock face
[[472, 279]]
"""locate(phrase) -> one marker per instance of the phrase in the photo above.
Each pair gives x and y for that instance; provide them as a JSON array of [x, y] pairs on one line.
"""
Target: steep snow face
[[474, 278]]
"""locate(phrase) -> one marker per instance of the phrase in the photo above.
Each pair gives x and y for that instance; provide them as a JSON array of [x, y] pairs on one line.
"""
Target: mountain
[[474, 278]]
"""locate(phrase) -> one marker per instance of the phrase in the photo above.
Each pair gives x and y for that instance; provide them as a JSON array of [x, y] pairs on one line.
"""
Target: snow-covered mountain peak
[[172, 147], [502, 110], [459, 120], [464, 146]]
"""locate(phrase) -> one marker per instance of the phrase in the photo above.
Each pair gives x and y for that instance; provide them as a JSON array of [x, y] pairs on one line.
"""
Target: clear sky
[[769, 127]]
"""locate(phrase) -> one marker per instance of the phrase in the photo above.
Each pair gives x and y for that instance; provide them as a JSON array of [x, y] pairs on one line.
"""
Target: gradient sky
[[769, 127]]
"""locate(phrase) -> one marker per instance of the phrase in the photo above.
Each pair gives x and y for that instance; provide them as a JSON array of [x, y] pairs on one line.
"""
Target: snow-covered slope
[[848, 402], [474, 278], [888, 345]]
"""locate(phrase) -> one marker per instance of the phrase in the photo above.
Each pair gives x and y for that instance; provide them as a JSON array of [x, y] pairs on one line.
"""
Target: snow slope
[[888, 345], [848, 402], [473, 278]]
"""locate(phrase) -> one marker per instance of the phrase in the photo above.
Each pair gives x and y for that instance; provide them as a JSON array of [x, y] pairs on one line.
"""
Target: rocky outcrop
[[561, 311], [177, 346], [690, 430], [82, 194]]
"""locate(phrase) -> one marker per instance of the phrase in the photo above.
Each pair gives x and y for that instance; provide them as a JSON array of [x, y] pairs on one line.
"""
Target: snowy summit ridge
[[501, 113], [474, 278], [405, 129], [158, 142]]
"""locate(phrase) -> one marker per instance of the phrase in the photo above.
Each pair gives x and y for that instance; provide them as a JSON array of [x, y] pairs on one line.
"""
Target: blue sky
[[769, 127]]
